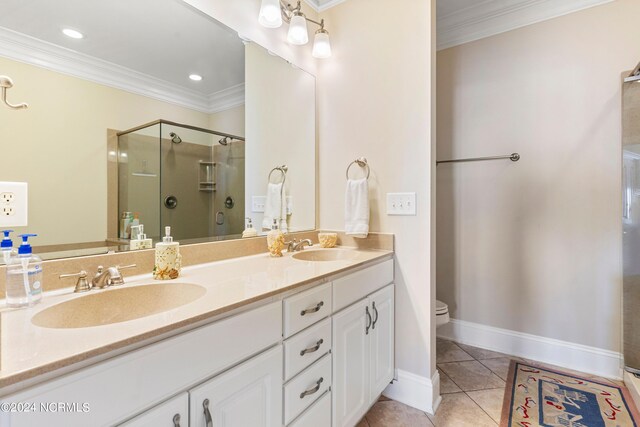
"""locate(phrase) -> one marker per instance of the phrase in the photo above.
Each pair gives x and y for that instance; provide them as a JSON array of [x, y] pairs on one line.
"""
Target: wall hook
[[7, 83]]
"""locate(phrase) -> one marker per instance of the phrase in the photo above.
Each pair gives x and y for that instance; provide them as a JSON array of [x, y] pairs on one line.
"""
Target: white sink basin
[[117, 305]]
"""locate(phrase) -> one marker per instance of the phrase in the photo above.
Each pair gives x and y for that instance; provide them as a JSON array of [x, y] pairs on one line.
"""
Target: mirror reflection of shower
[[197, 169], [175, 138]]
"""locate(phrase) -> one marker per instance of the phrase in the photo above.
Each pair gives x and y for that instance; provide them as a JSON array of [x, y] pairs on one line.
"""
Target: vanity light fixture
[[274, 12], [74, 34], [195, 77]]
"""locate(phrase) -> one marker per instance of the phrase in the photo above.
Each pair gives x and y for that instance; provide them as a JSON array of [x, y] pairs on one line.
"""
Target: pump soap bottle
[[249, 231], [24, 276], [275, 240], [168, 259], [6, 246]]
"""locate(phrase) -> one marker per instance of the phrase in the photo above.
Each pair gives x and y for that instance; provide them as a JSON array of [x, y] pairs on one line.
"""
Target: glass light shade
[[270, 15], [298, 33], [321, 45]]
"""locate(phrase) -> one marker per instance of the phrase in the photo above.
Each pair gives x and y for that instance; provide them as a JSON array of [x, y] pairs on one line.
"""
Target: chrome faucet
[[109, 277], [295, 246]]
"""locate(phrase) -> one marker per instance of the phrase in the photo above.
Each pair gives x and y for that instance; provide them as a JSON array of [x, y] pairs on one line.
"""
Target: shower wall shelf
[[207, 176]]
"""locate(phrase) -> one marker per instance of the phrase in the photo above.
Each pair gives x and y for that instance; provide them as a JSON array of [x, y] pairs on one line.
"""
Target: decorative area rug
[[537, 396]]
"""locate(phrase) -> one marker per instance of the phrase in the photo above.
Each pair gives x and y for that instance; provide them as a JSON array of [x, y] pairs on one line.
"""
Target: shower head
[[175, 138], [225, 141]]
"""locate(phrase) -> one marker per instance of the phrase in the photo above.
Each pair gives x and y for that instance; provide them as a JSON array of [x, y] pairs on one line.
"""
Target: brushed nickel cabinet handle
[[369, 321], [312, 390], [207, 414], [312, 349], [375, 312], [312, 309], [176, 420]]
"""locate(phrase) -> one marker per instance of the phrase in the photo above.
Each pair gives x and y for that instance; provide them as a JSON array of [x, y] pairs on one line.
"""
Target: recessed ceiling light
[[72, 33], [195, 77]]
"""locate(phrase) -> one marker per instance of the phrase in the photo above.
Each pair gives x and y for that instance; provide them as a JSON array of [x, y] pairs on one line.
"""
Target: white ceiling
[[165, 39]]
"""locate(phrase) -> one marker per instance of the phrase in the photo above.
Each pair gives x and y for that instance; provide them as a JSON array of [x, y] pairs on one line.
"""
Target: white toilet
[[442, 313]]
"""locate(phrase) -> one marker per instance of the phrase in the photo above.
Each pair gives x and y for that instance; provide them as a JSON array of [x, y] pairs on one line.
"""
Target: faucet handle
[[118, 279], [82, 285]]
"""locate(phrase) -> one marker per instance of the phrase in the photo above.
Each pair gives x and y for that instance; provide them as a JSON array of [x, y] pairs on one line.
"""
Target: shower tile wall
[[230, 176]]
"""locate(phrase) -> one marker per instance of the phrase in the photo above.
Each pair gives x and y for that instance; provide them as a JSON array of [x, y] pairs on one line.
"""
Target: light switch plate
[[13, 204], [401, 204], [257, 203]]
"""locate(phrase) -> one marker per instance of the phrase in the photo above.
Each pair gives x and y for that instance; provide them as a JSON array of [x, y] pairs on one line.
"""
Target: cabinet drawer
[[318, 415], [303, 390], [174, 412], [303, 349], [306, 308], [356, 286]]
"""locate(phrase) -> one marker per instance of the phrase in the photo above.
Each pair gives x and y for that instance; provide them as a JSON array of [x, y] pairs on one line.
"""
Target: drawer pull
[[207, 414], [312, 349], [312, 390], [176, 420], [375, 312], [312, 309], [369, 321]]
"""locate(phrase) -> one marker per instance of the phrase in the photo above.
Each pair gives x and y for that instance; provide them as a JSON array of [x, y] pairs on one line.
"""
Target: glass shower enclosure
[[183, 176]]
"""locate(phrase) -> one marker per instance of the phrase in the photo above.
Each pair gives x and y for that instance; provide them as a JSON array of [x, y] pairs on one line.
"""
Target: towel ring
[[282, 169], [362, 162]]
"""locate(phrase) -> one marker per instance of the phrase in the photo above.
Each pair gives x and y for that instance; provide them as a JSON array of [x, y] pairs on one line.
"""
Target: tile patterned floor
[[472, 382]]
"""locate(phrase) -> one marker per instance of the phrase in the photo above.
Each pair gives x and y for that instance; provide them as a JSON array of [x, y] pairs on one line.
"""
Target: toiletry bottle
[[168, 259], [249, 231], [139, 240], [6, 246], [24, 276], [125, 225], [275, 240]]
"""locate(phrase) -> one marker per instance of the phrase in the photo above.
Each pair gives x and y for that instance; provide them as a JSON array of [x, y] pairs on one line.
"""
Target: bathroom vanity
[[304, 340]]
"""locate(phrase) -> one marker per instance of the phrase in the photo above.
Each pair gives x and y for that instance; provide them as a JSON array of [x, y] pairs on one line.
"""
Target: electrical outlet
[[258, 203], [401, 204], [7, 198], [13, 204]]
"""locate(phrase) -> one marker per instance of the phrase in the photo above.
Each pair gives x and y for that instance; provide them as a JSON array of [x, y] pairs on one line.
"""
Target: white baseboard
[[413, 390], [578, 357]]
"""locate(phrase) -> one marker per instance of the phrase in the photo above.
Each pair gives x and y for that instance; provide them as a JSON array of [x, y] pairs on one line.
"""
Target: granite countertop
[[28, 351]]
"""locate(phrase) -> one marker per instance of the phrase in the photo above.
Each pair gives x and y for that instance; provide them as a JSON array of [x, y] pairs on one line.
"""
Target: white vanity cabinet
[[172, 413], [363, 355], [247, 395], [315, 358]]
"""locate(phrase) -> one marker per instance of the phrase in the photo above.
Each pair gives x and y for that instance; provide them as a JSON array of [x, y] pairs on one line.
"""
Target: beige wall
[[59, 146], [375, 101], [229, 121], [535, 246]]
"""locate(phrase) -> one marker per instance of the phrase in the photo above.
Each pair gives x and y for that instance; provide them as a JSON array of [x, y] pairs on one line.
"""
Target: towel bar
[[362, 162]]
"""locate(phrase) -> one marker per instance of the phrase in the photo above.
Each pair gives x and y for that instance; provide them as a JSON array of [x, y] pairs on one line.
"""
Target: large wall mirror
[[150, 112]]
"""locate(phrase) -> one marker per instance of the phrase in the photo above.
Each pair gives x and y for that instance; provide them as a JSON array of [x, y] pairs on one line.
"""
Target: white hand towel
[[275, 207], [357, 208]]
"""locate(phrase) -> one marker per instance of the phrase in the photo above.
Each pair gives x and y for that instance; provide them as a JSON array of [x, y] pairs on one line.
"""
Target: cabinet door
[[381, 340], [172, 413], [350, 365], [247, 395]]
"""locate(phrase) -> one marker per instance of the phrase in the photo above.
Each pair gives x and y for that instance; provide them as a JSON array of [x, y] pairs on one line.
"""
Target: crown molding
[[227, 99], [29, 50], [319, 6], [490, 17]]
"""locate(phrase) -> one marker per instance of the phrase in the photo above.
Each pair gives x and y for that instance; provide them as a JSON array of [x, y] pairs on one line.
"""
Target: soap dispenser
[[139, 238], [6, 246], [249, 231], [275, 240], [24, 276], [168, 259]]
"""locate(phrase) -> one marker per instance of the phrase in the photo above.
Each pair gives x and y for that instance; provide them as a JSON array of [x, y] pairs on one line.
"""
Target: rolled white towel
[[357, 208]]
